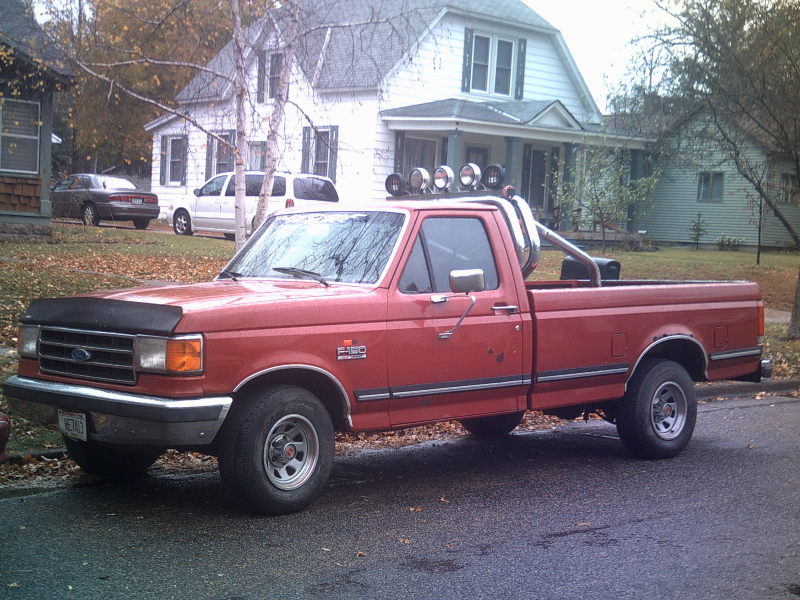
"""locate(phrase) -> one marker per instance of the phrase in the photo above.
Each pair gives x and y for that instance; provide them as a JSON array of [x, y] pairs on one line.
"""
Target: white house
[[379, 86]]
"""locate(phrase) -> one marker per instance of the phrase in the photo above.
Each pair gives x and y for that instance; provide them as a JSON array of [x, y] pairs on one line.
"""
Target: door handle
[[508, 307]]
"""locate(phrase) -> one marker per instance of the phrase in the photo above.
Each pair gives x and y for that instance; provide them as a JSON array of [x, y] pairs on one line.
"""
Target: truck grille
[[87, 354]]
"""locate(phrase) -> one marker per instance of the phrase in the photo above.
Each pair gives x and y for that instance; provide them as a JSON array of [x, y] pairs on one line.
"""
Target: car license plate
[[136, 200], [72, 424]]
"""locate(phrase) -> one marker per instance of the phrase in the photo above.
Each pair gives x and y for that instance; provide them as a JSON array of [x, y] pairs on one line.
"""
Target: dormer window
[[493, 65]]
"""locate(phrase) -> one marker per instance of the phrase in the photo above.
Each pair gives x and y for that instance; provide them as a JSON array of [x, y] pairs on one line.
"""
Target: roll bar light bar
[[526, 231]]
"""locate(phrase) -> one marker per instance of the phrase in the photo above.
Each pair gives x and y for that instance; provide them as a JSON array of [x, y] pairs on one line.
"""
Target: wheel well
[[684, 350], [317, 383]]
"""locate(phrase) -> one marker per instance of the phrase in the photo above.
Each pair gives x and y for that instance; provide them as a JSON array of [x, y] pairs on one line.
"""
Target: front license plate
[[136, 200], [72, 424]]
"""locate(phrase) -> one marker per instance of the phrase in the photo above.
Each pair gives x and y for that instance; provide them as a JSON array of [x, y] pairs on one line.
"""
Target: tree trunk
[[276, 117], [240, 152], [794, 322]]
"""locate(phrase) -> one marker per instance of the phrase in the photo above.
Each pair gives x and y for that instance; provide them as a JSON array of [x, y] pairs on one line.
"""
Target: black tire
[[231, 237], [657, 415], [182, 223], [277, 450], [116, 465], [89, 215], [494, 426], [141, 222]]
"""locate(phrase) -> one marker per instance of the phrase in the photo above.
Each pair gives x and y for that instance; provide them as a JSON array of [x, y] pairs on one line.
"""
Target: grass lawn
[[82, 259]]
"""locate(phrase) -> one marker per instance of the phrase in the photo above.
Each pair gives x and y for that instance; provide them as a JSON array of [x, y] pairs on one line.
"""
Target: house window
[[419, 153], [320, 151], [19, 136], [790, 190], [264, 85], [175, 160], [492, 61], [709, 187], [257, 156], [478, 156]]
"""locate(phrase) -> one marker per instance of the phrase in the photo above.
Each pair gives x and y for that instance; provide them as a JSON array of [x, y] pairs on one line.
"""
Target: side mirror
[[467, 281], [196, 192]]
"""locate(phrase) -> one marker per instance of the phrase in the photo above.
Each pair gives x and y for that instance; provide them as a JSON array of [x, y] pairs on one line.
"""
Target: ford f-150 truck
[[374, 318]]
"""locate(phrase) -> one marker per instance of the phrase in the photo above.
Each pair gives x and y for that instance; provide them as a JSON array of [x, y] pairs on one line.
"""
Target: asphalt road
[[562, 514]]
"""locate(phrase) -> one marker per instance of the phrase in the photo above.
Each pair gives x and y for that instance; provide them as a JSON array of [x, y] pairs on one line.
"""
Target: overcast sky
[[598, 33]]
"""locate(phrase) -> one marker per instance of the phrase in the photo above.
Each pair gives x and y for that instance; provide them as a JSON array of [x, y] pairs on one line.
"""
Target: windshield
[[348, 247]]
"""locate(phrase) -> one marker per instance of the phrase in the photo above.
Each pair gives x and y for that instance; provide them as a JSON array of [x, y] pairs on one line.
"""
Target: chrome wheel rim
[[88, 215], [291, 452], [668, 411], [182, 223]]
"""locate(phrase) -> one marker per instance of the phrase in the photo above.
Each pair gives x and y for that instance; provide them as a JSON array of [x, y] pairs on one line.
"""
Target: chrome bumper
[[121, 418]]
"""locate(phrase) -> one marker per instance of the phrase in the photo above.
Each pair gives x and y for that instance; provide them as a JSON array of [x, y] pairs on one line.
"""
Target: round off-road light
[[494, 176], [395, 184], [443, 178], [419, 180], [469, 175]]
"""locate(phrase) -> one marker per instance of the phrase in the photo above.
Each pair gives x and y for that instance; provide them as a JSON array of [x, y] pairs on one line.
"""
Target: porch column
[[513, 162], [454, 152], [569, 176]]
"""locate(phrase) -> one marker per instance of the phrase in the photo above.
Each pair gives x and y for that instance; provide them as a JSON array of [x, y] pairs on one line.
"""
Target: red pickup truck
[[374, 318]]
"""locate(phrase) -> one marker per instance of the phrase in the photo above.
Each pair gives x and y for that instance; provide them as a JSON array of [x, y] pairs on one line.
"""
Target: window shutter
[[466, 72], [184, 157], [261, 76], [519, 85], [162, 177], [304, 166], [333, 142], [209, 157]]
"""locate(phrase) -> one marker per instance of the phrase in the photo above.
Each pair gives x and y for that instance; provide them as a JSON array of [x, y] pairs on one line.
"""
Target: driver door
[[476, 370]]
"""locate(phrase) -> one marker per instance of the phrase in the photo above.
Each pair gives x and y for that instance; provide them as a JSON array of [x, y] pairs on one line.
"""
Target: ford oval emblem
[[81, 355]]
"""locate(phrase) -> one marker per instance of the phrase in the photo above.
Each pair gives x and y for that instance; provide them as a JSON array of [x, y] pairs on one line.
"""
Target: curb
[[735, 388]]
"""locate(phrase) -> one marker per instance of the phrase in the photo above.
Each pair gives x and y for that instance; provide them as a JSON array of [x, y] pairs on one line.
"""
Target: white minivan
[[210, 208]]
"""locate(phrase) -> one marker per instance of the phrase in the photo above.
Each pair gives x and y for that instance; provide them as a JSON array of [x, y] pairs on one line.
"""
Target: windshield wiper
[[229, 275], [302, 274]]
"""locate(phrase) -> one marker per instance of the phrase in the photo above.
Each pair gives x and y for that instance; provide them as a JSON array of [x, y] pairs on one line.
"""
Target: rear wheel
[[494, 426], [182, 223], [657, 415], [277, 449], [118, 465], [89, 215], [141, 222], [231, 237]]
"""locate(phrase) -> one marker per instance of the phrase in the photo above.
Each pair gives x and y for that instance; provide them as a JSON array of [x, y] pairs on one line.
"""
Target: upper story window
[[493, 65], [268, 81], [19, 136], [709, 186]]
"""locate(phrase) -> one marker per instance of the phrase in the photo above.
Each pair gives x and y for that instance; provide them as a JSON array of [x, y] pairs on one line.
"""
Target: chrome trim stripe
[[372, 395], [466, 385], [598, 371], [82, 398], [735, 353]]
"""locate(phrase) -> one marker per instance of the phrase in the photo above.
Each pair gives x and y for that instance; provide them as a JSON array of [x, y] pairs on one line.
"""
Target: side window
[[278, 186], [447, 244], [213, 187], [252, 184]]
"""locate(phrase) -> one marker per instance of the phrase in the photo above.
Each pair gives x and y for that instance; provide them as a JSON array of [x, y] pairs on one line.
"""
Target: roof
[[354, 44], [518, 112], [20, 31]]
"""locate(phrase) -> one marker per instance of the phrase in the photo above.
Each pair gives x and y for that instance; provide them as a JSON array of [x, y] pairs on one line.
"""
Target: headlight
[[419, 180], [28, 341], [443, 178], [469, 175], [179, 355]]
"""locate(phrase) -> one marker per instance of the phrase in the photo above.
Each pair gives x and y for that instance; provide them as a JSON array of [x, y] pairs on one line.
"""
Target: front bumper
[[119, 418]]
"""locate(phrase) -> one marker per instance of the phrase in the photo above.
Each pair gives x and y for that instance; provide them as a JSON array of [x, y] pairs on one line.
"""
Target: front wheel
[[656, 417], [277, 450], [109, 463], [493, 426], [182, 223]]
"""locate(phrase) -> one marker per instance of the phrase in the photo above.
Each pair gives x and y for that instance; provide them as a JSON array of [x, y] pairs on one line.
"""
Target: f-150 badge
[[351, 351]]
